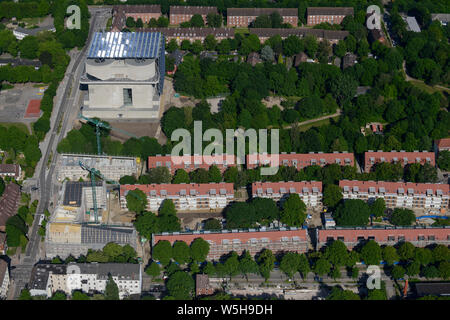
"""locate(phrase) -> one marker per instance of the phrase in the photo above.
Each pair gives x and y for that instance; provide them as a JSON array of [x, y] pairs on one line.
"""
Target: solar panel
[[125, 45]]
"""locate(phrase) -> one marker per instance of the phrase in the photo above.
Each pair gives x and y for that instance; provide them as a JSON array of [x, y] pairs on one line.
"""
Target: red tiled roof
[[325, 11], [9, 168], [33, 109], [381, 234], [175, 189], [400, 155], [274, 235], [177, 162], [276, 186], [254, 12], [153, 8], [328, 158], [392, 187], [9, 202], [191, 10], [443, 143]]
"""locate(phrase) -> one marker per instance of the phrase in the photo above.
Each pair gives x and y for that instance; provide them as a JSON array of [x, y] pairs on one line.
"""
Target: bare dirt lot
[[138, 128], [14, 102], [190, 219]]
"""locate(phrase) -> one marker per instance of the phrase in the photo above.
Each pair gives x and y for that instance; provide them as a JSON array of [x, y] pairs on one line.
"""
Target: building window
[[127, 97], [360, 238]]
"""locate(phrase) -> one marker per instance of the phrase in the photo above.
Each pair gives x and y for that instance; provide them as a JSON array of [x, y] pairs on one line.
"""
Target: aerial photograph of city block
[[252, 151]]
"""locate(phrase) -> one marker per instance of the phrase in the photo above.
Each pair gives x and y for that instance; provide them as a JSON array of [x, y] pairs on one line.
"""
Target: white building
[[124, 75], [4, 279], [90, 278], [21, 33], [111, 167], [186, 197], [310, 192]]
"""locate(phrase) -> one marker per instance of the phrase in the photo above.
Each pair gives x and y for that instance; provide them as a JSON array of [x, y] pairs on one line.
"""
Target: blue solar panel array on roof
[[125, 45]]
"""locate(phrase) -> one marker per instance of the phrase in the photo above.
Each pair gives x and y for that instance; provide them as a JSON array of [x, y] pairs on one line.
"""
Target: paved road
[[21, 273]]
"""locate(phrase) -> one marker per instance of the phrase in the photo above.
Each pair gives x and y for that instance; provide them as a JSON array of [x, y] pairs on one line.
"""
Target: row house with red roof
[[180, 14], [243, 17], [252, 240], [332, 15], [191, 163], [418, 236], [298, 160], [428, 196], [143, 12], [309, 191], [373, 157], [186, 197]]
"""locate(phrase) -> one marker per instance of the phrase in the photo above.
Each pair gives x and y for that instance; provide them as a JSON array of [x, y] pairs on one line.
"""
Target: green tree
[[197, 21], [390, 255], [371, 253], [337, 293], [423, 256], [378, 207], [180, 176], [214, 20], [167, 208], [162, 252], [231, 264], [265, 261], [332, 195], [430, 272], [208, 268], [212, 224], [159, 175], [112, 250], [322, 267], [111, 289], [210, 42], [172, 46], [441, 253], [240, 215], [163, 22], [294, 211], [136, 200], [336, 253], [247, 264], [59, 295], [398, 272], [146, 223], [290, 263], [443, 161], [153, 270], [130, 23], [180, 252], [199, 250], [25, 295], [406, 251], [180, 285], [28, 47], [214, 174], [402, 217], [78, 295], [352, 212], [444, 270], [304, 267], [266, 209], [127, 180]]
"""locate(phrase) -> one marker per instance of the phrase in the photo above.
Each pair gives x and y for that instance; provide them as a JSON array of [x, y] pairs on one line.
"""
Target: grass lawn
[[315, 124], [241, 30], [21, 126], [429, 89]]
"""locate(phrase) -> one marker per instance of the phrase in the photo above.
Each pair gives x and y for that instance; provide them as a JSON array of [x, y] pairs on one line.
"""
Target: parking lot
[[14, 102]]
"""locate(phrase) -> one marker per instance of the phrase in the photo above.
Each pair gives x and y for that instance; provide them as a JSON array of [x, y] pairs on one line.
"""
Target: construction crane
[[94, 172], [99, 124]]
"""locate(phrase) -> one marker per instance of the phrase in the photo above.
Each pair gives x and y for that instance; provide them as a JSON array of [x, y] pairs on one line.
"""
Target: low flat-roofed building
[[111, 167], [439, 289], [411, 24], [251, 240], [429, 196], [418, 236], [186, 197], [10, 170], [299, 160], [443, 18], [332, 15], [243, 17], [310, 192], [21, 62], [371, 158]]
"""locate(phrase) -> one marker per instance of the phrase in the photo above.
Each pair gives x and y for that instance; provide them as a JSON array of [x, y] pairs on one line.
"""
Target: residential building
[[124, 75], [243, 17], [251, 240], [180, 14], [349, 60], [193, 34], [332, 15], [371, 158], [9, 203], [299, 58], [143, 12], [428, 196], [333, 36], [21, 33], [377, 35], [202, 286], [411, 24], [310, 192], [299, 160], [111, 167], [46, 279], [442, 145], [10, 170], [418, 236], [191, 163], [253, 59], [4, 279], [186, 197], [64, 239], [443, 18], [3, 246]]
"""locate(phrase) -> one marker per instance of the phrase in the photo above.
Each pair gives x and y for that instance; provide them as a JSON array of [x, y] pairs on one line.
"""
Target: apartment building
[[332, 15], [192, 34], [10, 170], [180, 14], [418, 236], [309, 191], [4, 279], [242, 17], [428, 196], [300, 161], [333, 36], [371, 158], [143, 12], [9, 203], [252, 240], [442, 145], [47, 279], [186, 197], [191, 163]]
